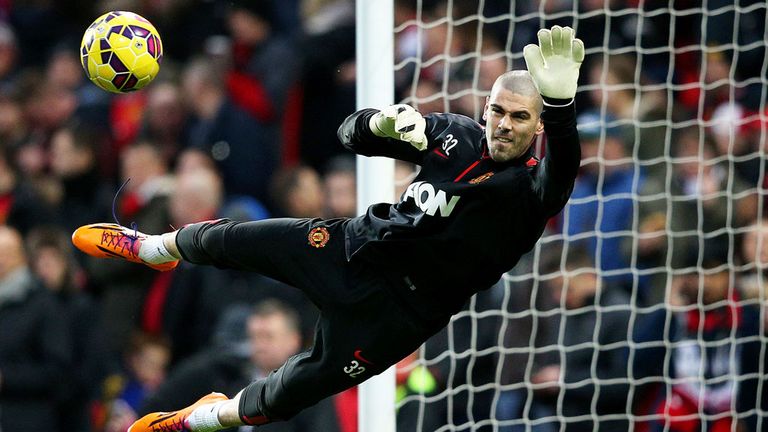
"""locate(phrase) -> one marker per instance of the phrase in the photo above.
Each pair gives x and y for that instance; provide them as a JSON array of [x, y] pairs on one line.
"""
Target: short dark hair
[[260, 8], [574, 257], [519, 82], [712, 253], [273, 306]]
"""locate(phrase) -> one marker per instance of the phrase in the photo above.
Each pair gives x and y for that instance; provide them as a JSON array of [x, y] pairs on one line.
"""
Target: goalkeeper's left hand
[[554, 63], [400, 122]]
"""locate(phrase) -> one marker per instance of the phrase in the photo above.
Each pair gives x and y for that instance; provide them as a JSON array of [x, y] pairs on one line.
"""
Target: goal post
[[375, 176]]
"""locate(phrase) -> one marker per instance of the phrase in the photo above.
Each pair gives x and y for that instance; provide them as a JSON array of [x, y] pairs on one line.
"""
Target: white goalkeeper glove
[[554, 63], [400, 122]]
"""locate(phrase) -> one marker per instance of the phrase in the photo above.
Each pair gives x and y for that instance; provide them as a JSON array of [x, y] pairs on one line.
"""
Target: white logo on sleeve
[[429, 200], [449, 143]]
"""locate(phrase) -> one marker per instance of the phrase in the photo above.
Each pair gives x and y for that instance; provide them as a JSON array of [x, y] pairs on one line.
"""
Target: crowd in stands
[[653, 274]]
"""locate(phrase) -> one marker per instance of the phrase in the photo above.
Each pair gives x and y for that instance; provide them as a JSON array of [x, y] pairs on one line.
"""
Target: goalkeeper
[[388, 280]]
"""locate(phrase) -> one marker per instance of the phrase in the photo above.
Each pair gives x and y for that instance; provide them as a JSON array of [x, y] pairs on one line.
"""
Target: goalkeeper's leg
[[308, 254], [352, 343], [305, 253]]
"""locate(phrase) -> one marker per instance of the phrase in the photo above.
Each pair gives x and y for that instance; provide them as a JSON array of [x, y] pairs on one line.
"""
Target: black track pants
[[362, 329]]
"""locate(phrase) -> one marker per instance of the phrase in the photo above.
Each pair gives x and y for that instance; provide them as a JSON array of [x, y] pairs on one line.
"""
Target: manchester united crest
[[318, 237], [481, 178]]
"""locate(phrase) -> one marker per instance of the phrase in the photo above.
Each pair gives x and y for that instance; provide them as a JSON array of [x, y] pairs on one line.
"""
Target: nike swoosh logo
[[162, 418], [361, 358]]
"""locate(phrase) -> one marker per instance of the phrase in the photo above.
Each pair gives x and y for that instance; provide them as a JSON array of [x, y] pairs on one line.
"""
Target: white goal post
[[375, 176]]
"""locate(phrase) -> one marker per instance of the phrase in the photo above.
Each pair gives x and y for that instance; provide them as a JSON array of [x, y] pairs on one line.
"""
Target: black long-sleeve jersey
[[466, 219]]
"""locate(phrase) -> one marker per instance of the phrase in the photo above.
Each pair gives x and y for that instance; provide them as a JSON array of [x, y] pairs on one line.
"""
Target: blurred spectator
[[192, 159], [146, 360], [747, 147], [184, 25], [641, 113], [264, 62], [429, 97], [8, 57], [35, 347], [599, 215], [190, 290], [710, 85], [725, 126], [143, 202], [85, 195], [21, 205], [264, 71], [754, 259], [472, 339], [65, 70], [526, 334], [13, 128], [436, 45], [149, 183], [166, 120], [286, 17], [321, 16], [477, 75], [298, 192], [197, 196], [125, 116], [327, 88], [642, 30], [705, 198], [38, 24], [700, 355], [340, 187], [52, 262], [591, 379], [201, 291], [235, 207], [47, 107], [260, 342], [244, 149]]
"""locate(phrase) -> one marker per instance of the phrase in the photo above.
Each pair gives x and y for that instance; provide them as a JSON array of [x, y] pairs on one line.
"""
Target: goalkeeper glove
[[400, 122], [554, 63]]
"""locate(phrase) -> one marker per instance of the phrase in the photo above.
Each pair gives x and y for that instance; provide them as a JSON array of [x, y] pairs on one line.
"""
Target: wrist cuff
[[554, 102], [374, 127]]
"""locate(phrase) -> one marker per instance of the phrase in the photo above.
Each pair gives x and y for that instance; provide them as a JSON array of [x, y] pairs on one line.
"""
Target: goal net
[[642, 307]]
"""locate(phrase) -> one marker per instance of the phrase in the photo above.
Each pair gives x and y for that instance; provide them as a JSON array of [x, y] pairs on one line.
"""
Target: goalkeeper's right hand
[[401, 122]]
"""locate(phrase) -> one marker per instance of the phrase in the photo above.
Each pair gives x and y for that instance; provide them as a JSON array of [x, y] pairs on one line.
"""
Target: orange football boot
[[107, 240], [175, 421]]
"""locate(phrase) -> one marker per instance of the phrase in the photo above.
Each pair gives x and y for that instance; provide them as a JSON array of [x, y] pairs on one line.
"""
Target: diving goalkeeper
[[388, 280]]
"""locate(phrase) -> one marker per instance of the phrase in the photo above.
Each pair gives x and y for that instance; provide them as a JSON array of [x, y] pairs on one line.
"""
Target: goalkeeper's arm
[[554, 67], [397, 131], [401, 122]]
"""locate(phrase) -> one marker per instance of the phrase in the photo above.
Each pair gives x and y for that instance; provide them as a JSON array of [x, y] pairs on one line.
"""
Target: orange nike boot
[[175, 421], [106, 240]]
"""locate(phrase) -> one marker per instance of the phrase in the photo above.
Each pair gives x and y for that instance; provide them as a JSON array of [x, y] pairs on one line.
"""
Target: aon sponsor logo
[[432, 202]]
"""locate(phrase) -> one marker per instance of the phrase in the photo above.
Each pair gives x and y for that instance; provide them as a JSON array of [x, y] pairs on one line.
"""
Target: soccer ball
[[121, 51]]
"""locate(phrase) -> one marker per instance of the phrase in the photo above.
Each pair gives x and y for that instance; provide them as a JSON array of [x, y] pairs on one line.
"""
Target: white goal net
[[643, 306]]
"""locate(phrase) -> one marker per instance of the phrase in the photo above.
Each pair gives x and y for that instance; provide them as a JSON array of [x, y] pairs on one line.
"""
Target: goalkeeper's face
[[512, 120]]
